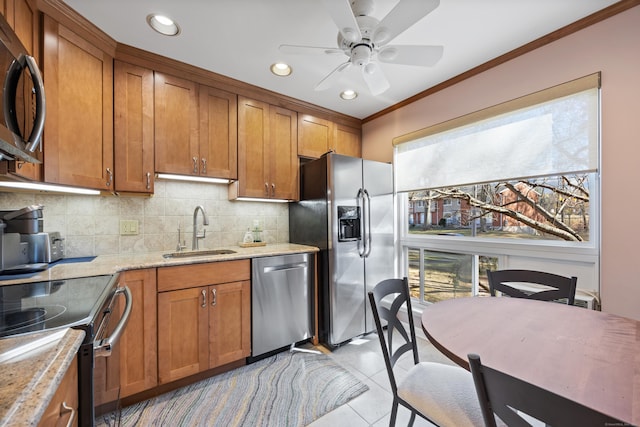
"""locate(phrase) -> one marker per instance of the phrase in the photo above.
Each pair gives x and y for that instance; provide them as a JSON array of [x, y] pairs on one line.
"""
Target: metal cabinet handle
[[65, 409], [203, 170], [109, 177], [266, 188], [273, 189], [195, 165], [204, 298], [148, 180], [214, 296]]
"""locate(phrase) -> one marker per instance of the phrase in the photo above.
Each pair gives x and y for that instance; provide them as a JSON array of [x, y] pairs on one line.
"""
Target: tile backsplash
[[91, 224]]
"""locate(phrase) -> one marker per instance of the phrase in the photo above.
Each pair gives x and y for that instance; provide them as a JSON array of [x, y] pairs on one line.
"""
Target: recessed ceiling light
[[281, 69], [163, 24], [348, 94]]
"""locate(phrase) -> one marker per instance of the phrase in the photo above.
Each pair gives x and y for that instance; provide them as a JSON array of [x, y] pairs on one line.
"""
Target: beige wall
[[611, 47]]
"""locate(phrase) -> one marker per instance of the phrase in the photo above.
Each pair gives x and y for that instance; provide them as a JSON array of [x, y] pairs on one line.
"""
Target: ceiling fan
[[364, 39]]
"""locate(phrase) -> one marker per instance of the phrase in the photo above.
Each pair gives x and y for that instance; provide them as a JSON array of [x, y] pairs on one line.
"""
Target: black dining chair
[[554, 287], [442, 394], [509, 398]]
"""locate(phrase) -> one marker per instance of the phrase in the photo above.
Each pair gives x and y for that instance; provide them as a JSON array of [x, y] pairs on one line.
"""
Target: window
[[512, 186]]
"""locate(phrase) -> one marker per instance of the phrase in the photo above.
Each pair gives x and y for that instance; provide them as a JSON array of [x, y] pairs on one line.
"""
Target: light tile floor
[[363, 358]]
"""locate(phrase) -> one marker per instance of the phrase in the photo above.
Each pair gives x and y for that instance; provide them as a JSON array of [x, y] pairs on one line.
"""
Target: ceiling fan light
[[370, 68], [388, 54], [281, 69], [381, 35], [350, 34], [348, 94], [163, 24]]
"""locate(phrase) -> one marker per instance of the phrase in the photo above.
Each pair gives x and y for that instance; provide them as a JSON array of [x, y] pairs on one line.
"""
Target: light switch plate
[[128, 227]]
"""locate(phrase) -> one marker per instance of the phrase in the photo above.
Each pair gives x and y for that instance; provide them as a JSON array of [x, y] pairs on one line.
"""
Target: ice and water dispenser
[[348, 223]]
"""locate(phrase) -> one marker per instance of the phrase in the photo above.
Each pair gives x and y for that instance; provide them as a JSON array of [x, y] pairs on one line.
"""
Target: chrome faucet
[[205, 221]]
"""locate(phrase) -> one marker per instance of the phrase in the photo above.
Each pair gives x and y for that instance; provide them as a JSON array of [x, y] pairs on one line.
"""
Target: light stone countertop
[[27, 383]]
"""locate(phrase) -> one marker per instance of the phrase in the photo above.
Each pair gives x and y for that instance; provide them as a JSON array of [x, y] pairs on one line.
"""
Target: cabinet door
[[218, 133], [78, 135], [139, 342], [315, 136], [253, 137], [283, 152], [176, 125], [229, 322], [348, 141], [133, 128], [63, 407], [183, 333]]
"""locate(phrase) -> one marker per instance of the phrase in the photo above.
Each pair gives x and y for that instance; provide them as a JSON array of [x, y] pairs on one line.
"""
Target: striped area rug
[[288, 389]]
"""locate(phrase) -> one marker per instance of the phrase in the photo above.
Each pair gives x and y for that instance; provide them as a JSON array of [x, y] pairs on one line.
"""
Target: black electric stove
[[39, 306], [85, 303]]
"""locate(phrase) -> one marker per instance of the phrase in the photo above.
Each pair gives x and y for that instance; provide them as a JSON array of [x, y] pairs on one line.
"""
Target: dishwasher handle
[[284, 267]]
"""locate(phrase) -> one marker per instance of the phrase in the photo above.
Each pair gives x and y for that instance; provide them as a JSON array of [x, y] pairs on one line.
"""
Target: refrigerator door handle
[[367, 230], [361, 241]]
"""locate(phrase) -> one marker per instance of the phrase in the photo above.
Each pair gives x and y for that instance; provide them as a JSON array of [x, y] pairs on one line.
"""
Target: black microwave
[[22, 110]]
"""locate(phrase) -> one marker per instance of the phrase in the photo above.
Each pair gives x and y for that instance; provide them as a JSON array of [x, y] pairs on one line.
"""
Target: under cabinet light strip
[[48, 187], [193, 178]]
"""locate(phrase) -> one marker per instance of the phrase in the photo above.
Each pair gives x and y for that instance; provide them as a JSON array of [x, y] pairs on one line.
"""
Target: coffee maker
[[25, 247]]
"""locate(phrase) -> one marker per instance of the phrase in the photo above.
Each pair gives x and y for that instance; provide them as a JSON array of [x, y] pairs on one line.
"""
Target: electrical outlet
[[128, 227]]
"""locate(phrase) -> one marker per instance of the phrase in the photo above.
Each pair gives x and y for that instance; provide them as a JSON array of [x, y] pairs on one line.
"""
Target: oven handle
[[104, 347]]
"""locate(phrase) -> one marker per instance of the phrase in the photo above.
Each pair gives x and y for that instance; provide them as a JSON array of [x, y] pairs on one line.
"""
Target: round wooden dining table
[[587, 356]]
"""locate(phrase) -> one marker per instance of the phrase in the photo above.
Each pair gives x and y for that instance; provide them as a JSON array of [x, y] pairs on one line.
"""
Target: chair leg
[[394, 412], [412, 419]]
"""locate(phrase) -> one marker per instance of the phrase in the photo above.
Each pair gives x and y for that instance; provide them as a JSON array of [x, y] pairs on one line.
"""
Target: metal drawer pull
[[214, 294], [148, 180], [204, 298], [285, 267], [195, 165], [203, 170], [65, 409]]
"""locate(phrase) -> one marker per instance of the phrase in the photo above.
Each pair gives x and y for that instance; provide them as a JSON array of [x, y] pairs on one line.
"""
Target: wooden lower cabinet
[[63, 408], [204, 326], [132, 366]]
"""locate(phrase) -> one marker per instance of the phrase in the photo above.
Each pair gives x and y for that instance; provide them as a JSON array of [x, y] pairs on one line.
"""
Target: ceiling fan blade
[[332, 77], [375, 78], [402, 16], [424, 56], [342, 15], [308, 50]]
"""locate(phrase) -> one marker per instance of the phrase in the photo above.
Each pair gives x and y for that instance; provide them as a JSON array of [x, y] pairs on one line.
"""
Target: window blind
[[550, 132]]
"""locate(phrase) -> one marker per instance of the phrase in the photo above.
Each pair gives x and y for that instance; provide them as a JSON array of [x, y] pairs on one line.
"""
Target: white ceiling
[[240, 39]]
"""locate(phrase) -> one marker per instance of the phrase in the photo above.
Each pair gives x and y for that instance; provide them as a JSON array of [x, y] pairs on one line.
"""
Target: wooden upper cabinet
[[78, 135], [283, 154], [218, 133], [176, 125], [315, 136], [133, 128], [348, 141], [267, 153]]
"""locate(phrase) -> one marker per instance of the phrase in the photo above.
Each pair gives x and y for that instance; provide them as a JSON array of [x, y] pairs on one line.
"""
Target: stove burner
[[23, 320]]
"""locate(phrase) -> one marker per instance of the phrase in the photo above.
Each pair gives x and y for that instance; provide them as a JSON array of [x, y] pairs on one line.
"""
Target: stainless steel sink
[[204, 252]]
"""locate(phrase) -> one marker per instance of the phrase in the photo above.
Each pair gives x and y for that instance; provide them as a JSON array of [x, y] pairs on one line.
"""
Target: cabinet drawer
[[188, 276]]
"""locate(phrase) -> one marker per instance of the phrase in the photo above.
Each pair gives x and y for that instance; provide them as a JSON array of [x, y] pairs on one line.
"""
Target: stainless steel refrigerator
[[346, 209]]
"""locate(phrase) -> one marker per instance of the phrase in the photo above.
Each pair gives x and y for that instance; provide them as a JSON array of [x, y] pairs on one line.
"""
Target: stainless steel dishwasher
[[281, 302]]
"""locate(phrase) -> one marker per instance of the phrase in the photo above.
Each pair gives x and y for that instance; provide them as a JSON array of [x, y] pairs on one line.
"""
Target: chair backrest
[[508, 397], [561, 286], [388, 311]]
